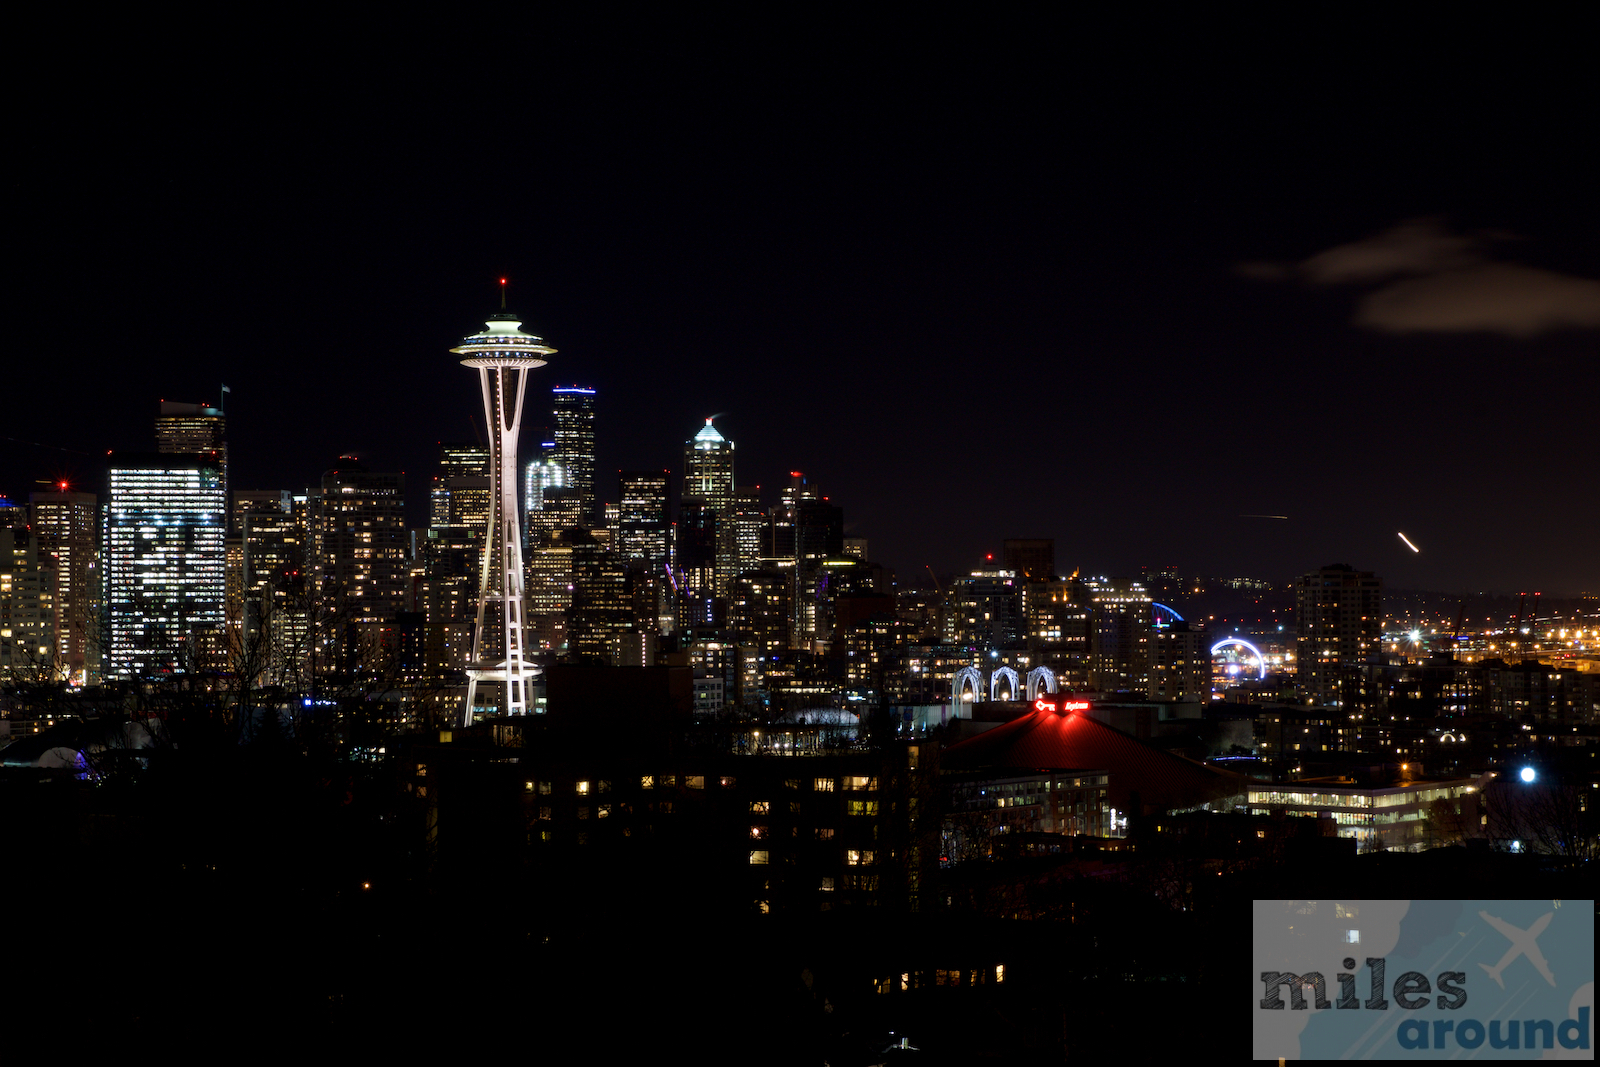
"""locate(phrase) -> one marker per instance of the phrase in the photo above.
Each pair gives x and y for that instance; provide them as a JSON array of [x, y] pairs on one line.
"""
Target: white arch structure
[[994, 683], [967, 681], [1261, 660], [1040, 676]]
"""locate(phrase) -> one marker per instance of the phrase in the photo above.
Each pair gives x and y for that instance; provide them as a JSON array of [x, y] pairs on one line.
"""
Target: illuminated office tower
[[1339, 622], [573, 416], [749, 524], [708, 468], [194, 429], [642, 526], [503, 356], [68, 527], [165, 562], [708, 479], [539, 474]]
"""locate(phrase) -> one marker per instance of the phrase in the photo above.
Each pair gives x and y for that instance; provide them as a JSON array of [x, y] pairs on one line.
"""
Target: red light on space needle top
[[63, 486]]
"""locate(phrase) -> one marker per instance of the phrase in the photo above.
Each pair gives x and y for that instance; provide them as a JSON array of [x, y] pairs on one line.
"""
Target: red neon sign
[[1066, 706]]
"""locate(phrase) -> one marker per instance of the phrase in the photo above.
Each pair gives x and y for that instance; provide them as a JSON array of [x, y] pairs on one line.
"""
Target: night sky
[[978, 279]]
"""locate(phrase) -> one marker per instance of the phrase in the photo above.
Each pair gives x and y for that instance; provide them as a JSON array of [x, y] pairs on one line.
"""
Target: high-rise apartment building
[[1339, 624], [274, 613], [68, 525], [1120, 639], [601, 609], [985, 611], [360, 548], [1180, 663], [573, 416], [803, 531], [27, 604], [165, 563]]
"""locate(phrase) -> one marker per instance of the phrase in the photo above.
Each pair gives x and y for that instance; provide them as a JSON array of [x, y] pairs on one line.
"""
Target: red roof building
[[1144, 779]]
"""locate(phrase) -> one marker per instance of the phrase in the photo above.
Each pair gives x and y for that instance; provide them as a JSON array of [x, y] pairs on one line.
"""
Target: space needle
[[503, 355]]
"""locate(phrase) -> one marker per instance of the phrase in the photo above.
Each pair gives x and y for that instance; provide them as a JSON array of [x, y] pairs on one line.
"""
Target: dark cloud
[[1418, 247], [1493, 297], [1431, 280]]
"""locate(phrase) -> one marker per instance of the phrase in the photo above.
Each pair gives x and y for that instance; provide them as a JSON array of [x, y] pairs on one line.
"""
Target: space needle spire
[[503, 356]]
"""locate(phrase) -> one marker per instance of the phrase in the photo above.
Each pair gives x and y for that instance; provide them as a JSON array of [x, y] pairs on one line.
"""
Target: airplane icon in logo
[[1522, 944]]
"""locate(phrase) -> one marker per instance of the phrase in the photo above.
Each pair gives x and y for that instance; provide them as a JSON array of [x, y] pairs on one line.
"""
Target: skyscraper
[[27, 604], [642, 526], [460, 494], [1120, 638], [1339, 622], [361, 544], [503, 356], [539, 474], [166, 573], [68, 527], [574, 442], [274, 616], [708, 501], [194, 429]]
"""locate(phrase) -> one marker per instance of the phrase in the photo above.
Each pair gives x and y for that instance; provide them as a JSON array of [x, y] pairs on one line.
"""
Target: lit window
[[823, 785], [759, 807], [758, 855], [583, 789]]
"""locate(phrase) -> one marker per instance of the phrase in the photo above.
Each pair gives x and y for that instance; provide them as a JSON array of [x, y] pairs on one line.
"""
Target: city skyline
[[1138, 309], [1141, 410]]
